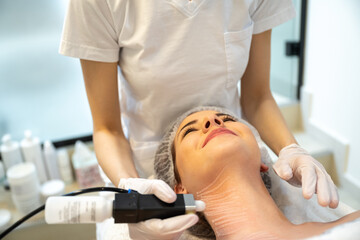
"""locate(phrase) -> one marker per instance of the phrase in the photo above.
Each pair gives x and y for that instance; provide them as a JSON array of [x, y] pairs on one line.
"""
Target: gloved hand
[[296, 166], [157, 229]]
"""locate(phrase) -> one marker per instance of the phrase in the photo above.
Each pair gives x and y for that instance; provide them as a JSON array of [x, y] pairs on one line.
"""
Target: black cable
[[74, 193]]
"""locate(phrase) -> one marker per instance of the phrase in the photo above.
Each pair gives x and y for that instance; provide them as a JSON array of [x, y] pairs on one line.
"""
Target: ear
[[263, 168], [180, 189]]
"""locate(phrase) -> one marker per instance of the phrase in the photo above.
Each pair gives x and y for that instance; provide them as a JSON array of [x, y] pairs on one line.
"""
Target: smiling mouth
[[217, 132]]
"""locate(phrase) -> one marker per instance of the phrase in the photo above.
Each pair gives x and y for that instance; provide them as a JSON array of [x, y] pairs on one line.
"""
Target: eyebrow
[[221, 114], [195, 121]]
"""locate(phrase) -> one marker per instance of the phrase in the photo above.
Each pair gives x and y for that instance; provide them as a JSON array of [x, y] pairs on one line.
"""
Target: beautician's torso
[[199, 54], [194, 60]]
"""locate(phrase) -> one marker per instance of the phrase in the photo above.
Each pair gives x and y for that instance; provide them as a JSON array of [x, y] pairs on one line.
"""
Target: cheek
[[191, 165], [186, 157]]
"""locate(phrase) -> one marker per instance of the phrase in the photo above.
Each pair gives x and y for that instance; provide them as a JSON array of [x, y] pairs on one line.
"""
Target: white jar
[[51, 188], [24, 186]]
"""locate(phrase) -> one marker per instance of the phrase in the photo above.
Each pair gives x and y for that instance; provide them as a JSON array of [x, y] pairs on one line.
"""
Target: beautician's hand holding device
[[170, 228], [173, 56]]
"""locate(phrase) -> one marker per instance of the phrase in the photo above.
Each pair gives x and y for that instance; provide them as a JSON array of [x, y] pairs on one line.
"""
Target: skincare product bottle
[[86, 166], [10, 152], [50, 158], [31, 149], [5, 195], [65, 166], [2, 183], [90, 209]]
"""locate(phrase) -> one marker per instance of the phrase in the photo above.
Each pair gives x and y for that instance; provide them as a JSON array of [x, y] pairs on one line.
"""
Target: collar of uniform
[[188, 7]]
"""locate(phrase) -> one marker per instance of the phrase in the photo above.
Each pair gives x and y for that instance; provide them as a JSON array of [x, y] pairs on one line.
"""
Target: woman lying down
[[224, 171]]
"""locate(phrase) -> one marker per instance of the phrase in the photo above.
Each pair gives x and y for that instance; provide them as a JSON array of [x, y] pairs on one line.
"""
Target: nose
[[209, 122]]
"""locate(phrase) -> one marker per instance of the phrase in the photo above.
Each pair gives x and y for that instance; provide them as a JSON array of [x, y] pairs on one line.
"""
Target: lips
[[217, 132]]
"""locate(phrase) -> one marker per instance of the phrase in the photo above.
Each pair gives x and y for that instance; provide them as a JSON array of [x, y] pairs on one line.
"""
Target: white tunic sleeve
[[267, 14], [90, 31]]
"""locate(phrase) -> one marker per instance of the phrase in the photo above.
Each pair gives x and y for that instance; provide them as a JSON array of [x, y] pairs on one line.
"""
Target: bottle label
[[78, 211]]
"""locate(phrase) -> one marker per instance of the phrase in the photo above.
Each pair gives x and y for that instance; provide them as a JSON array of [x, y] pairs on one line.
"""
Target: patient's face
[[206, 142]]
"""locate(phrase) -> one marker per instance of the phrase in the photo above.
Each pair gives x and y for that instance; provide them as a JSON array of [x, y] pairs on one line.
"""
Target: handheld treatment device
[[129, 206], [134, 207]]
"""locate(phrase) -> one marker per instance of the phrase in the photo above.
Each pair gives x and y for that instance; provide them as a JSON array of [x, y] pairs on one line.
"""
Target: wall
[[332, 78], [40, 89]]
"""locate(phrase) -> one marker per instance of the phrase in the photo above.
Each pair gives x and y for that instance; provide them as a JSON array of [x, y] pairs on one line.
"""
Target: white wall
[[332, 74], [40, 90]]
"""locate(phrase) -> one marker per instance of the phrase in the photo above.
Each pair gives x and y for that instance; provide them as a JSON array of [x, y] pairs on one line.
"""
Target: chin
[[234, 148]]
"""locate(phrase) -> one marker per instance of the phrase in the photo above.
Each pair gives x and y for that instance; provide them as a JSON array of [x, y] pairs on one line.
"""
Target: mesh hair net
[[165, 170]]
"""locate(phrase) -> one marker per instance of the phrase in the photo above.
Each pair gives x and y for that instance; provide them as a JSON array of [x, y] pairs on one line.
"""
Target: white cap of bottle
[[10, 152], [31, 149]]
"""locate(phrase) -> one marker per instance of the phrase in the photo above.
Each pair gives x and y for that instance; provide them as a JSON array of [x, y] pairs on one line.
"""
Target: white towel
[[346, 231]]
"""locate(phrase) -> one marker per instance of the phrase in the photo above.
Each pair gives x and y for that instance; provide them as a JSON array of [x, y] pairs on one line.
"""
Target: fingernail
[[171, 195]]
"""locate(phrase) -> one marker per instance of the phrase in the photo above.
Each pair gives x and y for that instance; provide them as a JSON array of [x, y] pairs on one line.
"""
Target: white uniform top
[[173, 55]]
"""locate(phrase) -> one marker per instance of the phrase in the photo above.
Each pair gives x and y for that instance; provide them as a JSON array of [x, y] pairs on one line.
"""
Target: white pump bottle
[[10, 152], [51, 161], [31, 149]]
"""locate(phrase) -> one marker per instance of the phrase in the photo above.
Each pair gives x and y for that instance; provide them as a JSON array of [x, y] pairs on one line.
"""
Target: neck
[[238, 206]]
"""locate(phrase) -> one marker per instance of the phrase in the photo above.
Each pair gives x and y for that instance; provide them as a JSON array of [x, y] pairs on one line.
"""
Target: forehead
[[197, 116]]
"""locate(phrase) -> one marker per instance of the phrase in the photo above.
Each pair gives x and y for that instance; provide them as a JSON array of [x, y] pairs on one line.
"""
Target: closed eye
[[189, 130], [229, 118]]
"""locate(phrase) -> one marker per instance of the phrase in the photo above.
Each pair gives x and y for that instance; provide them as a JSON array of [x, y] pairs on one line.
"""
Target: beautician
[[174, 55]]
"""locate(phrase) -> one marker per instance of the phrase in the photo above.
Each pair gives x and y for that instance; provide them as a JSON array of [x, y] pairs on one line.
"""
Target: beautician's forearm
[[111, 147], [265, 116], [256, 99], [114, 155]]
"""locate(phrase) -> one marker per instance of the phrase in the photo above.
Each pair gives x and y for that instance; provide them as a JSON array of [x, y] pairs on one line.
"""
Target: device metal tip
[[200, 205]]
